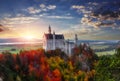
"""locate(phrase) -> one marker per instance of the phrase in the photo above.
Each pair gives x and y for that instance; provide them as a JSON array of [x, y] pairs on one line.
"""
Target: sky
[[89, 19]]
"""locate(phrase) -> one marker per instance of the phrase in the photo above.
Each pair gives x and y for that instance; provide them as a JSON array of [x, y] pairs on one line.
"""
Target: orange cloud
[[2, 28]]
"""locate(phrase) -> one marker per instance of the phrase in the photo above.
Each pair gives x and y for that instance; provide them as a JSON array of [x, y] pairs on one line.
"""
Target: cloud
[[41, 8], [32, 10], [100, 15], [21, 19], [77, 7], [81, 9], [1, 28], [44, 7], [60, 17], [47, 7], [46, 15], [19, 15], [85, 20], [85, 32], [79, 29], [69, 34], [18, 20], [51, 7], [93, 3]]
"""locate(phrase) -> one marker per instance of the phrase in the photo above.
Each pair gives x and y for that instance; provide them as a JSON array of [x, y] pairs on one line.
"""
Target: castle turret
[[49, 30], [54, 40], [76, 39]]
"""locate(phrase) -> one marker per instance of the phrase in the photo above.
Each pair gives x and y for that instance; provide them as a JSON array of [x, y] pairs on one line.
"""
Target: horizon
[[21, 38], [30, 40], [90, 20]]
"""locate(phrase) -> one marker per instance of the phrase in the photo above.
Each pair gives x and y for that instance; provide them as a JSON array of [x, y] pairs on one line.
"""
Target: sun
[[29, 37]]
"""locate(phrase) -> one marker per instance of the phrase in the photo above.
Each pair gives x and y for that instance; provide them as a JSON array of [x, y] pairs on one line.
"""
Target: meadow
[[102, 49], [17, 48]]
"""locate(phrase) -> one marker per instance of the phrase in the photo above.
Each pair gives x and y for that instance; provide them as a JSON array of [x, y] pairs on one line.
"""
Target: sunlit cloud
[[20, 30], [80, 30], [89, 19], [41, 8], [81, 9], [78, 7], [60, 17], [44, 7], [97, 24], [18, 20], [47, 7], [32, 10], [1, 28], [93, 3], [7, 32], [51, 7], [100, 15]]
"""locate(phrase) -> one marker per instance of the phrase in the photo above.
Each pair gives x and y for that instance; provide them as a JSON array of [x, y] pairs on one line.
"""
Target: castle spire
[[49, 30], [76, 39], [54, 40], [54, 32]]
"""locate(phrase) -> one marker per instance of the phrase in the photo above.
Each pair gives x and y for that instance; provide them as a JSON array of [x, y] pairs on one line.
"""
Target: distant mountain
[[99, 41]]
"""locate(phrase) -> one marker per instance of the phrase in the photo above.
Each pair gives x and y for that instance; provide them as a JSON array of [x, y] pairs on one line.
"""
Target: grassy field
[[16, 49], [99, 46], [111, 52], [105, 53]]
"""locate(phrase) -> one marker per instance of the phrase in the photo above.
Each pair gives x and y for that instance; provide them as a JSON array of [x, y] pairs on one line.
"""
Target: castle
[[52, 41]]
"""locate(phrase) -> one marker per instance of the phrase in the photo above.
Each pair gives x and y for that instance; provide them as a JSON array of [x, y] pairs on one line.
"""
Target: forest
[[55, 65]]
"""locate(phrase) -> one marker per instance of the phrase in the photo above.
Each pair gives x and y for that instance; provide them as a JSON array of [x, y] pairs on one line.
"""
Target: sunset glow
[[89, 19], [29, 37]]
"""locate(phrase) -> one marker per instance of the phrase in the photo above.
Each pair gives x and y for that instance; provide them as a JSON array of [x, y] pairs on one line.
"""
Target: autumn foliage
[[38, 65]]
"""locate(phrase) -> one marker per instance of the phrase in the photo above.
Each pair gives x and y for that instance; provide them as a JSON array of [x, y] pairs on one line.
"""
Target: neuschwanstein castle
[[52, 41]]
